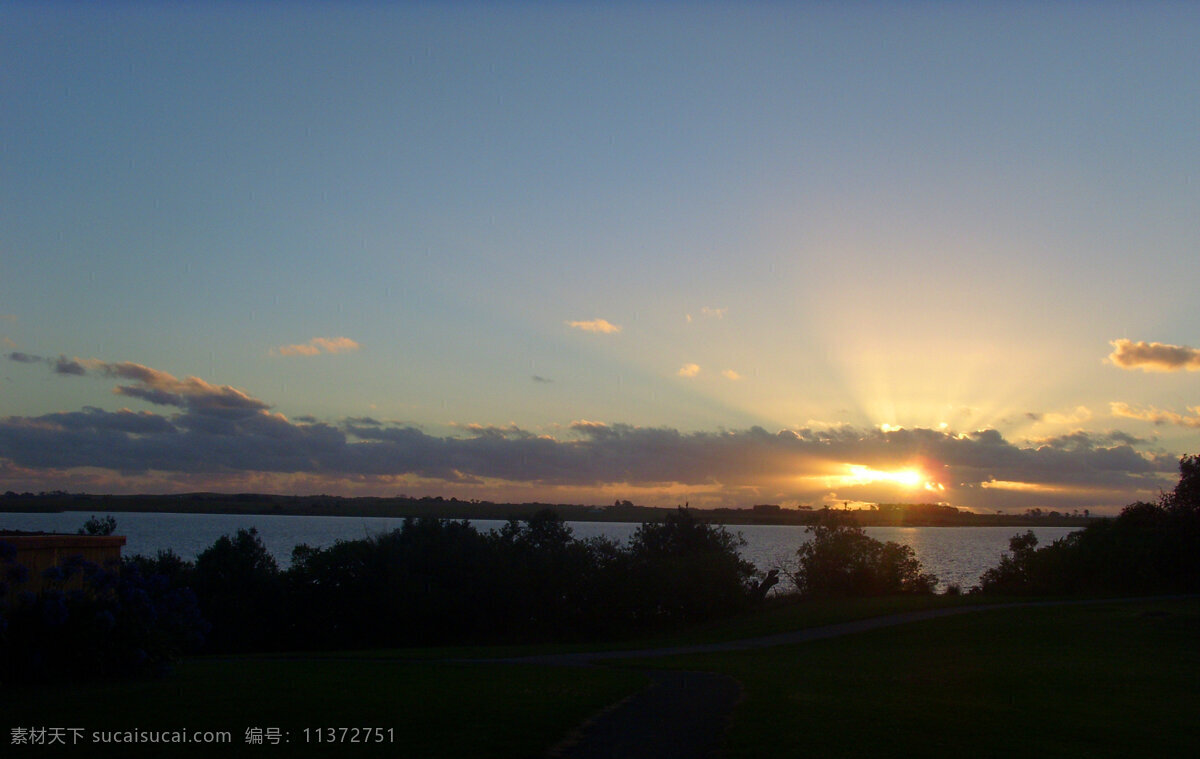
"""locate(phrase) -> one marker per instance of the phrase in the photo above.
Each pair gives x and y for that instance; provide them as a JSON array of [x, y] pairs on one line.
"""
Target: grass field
[[775, 618], [1116, 680], [1120, 679], [433, 709]]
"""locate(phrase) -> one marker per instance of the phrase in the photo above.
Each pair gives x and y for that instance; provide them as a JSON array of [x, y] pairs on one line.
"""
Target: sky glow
[[724, 254]]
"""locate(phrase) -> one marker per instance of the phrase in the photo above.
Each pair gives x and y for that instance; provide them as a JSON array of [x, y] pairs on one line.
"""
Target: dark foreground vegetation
[[442, 582], [430, 582], [1098, 680], [1108, 680], [436, 581], [1149, 548]]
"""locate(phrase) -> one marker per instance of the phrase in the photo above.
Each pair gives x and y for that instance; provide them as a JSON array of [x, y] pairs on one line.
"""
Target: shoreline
[[916, 515]]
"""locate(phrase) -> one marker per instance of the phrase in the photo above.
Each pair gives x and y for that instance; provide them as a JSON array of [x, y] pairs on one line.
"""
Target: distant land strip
[[880, 515]]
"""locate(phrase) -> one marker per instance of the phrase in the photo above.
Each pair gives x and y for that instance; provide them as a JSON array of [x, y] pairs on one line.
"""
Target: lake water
[[956, 555]]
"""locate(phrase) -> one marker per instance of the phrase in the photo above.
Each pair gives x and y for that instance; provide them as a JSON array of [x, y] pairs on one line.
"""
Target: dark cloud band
[[219, 430]]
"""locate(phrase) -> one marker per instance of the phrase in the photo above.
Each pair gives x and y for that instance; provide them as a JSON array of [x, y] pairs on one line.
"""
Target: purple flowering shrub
[[117, 621]]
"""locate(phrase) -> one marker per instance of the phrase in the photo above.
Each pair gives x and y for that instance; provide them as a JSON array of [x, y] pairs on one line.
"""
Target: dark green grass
[[780, 615], [1113, 679], [434, 709], [1119, 680]]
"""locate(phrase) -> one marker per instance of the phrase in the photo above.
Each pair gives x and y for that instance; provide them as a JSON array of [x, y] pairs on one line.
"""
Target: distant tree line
[[399, 506]]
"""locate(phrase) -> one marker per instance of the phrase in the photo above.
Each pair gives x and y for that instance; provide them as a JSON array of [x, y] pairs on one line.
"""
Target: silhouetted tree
[[442, 581], [1185, 498], [98, 526], [238, 583], [1148, 548], [842, 560], [556, 572], [686, 570]]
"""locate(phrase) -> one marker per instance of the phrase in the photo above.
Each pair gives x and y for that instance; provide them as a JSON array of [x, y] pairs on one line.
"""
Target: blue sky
[[728, 254]]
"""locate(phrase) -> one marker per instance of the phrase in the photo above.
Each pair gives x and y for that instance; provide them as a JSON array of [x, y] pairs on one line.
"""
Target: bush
[[439, 581], [119, 622], [430, 581], [442, 581], [685, 570], [240, 590], [557, 578], [842, 560], [97, 526]]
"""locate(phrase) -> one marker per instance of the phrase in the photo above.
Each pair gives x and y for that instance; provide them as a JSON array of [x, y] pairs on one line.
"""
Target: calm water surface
[[956, 555]]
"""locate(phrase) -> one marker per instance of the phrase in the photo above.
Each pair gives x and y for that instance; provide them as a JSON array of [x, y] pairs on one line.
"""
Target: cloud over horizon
[[226, 434], [1154, 357]]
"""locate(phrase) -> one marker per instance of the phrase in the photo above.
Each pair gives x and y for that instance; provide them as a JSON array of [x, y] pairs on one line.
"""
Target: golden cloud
[[1156, 415], [598, 326], [1154, 357]]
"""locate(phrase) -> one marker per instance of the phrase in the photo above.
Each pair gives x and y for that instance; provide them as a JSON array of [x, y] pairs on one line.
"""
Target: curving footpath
[[680, 715]]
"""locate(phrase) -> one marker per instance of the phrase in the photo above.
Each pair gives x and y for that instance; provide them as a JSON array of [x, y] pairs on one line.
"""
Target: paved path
[[681, 715], [684, 715]]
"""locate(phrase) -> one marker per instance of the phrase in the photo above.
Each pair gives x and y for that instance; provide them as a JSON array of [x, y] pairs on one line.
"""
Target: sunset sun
[[863, 475]]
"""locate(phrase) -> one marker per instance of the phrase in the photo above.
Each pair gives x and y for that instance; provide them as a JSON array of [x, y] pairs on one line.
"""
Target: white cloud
[[689, 370], [730, 374]]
